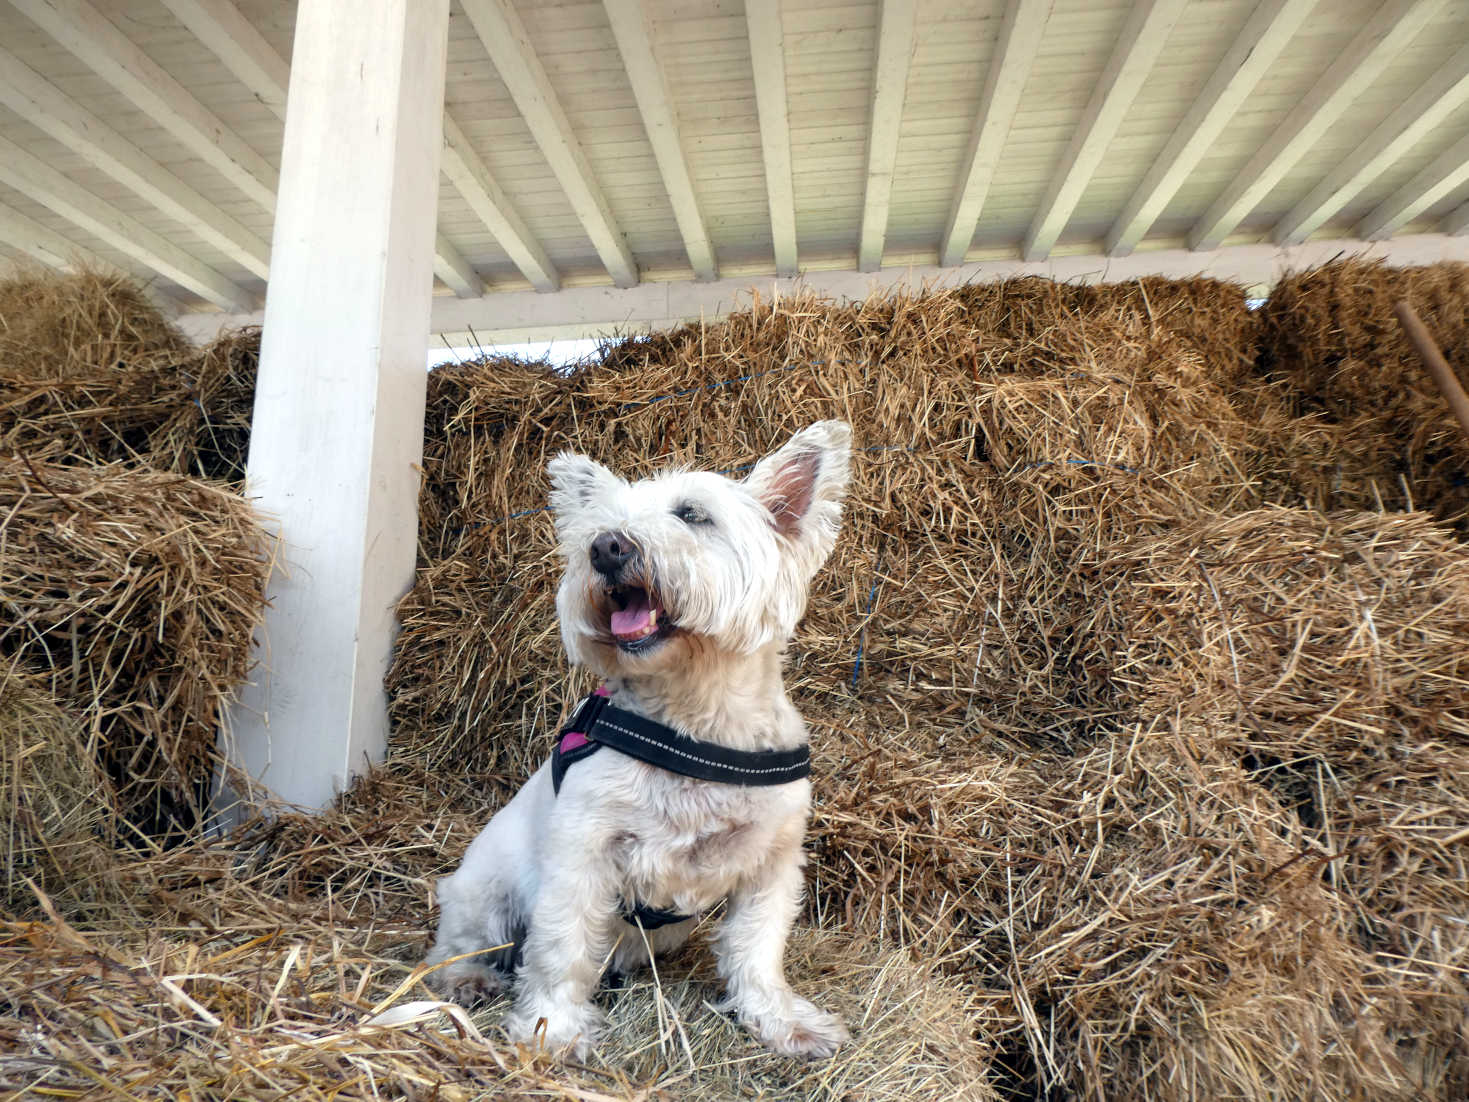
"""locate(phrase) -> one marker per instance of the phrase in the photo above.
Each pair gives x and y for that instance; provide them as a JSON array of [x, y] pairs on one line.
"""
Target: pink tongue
[[635, 618]]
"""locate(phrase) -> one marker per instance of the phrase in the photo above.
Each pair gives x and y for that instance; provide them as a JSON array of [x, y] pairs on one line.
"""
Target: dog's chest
[[694, 841]]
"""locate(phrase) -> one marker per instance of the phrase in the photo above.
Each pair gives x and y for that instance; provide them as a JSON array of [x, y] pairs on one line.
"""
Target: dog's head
[[693, 559]]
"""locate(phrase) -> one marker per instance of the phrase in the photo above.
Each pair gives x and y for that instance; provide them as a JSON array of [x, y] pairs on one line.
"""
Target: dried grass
[[1384, 434], [251, 969], [90, 372], [58, 811], [983, 489], [132, 595]]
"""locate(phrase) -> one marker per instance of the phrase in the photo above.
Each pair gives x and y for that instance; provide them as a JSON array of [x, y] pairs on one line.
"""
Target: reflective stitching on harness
[[695, 757]]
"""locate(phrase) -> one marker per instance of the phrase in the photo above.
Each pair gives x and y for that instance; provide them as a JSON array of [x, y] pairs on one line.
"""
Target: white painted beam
[[1434, 101], [244, 51], [768, 61], [895, 34], [339, 401], [1386, 35], [114, 57], [1016, 46], [1458, 220], [1142, 39], [31, 176], [604, 311], [1254, 50], [505, 39], [634, 34], [232, 38], [1439, 179], [49, 109], [21, 231], [470, 176]]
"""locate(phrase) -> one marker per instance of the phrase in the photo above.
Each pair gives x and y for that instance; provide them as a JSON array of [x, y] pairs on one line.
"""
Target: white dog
[[681, 591]]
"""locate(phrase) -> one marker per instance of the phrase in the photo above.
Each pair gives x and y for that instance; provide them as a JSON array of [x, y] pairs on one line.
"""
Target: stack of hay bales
[[1380, 433], [1033, 763], [984, 488], [130, 587]]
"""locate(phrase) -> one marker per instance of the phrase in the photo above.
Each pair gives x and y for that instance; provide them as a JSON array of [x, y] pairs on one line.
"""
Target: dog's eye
[[691, 514]]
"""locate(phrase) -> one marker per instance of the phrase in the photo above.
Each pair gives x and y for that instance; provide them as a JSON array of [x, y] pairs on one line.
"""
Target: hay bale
[[64, 326], [59, 819], [1342, 637], [133, 596], [1330, 335], [1135, 918], [90, 372]]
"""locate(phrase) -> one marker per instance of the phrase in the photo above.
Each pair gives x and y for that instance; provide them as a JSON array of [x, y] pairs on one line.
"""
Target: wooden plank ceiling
[[616, 142]]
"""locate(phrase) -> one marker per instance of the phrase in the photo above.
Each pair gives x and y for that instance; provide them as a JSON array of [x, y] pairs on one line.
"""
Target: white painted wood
[[232, 38], [895, 36], [1251, 55], [469, 175], [220, 26], [114, 57], [339, 402], [767, 59], [1016, 47], [634, 34], [1438, 180], [1385, 36], [1458, 220], [1439, 96], [504, 37], [603, 311], [1142, 39], [21, 231], [46, 107], [31, 176]]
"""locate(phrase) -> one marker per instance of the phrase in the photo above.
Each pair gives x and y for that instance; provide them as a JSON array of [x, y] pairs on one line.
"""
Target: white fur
[[557, 865]]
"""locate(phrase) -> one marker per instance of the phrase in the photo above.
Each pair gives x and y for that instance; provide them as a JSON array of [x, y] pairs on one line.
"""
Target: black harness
[[597, 723]]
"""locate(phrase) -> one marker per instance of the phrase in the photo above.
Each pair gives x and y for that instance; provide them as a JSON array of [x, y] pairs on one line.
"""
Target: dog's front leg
[[569, 939], [751, 951]]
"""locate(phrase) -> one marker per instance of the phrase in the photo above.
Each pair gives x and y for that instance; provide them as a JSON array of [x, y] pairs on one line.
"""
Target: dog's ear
[[802, 484], [577, 482]]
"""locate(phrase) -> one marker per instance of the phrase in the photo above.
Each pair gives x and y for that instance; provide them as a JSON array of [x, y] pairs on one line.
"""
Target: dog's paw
[[469, 984], [561, 1030], [806, 1031]]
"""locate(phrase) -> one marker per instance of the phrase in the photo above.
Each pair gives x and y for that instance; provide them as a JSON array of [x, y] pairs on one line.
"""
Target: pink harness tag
[[573, 740]]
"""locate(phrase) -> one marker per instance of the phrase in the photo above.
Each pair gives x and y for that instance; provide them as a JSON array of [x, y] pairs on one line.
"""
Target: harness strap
[[597, 722]]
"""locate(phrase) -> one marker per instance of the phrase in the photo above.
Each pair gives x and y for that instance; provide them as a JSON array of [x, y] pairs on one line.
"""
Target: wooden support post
[[339, 403]]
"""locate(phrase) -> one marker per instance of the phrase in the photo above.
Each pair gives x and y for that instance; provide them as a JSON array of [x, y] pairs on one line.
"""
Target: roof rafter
[[634, 34], [1438, 96], [1142, 39], [895, 35], [1390, 30], [41, 243], [504, 38], [46, 107], [31, 176], [1437, 180], [1016, 46], [244, 51], [114, 57], [767, 60], [1251, 54]]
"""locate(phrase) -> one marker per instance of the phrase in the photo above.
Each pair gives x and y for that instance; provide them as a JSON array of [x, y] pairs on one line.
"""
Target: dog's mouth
[[639, 622]]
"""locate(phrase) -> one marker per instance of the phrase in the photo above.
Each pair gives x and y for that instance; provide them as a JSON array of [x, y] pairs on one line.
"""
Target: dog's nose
[[609, 551]]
